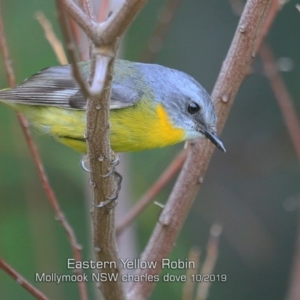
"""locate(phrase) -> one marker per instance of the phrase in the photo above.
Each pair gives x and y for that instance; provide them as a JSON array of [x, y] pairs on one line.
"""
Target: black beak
[[215, 140]]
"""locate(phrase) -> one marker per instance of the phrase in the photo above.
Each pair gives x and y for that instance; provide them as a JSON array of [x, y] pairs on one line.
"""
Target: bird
[[151, 106]]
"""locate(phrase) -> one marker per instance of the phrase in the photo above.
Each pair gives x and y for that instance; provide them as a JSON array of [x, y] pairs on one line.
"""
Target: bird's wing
[[56, 86]]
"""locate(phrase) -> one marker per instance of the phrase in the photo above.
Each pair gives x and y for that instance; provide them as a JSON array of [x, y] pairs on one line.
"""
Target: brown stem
[[283, 97], [52, 38], [22, 281], [70, 48], [88, 8], [105, 37], [212, 252], [234, 70], [119, 21], [87, 25], [274, 9], [103, 11], [162, 27], [39, 165], [189, 285], [288, 111]]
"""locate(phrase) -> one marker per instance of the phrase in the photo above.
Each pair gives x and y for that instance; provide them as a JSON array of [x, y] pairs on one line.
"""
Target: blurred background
[[252, 190]]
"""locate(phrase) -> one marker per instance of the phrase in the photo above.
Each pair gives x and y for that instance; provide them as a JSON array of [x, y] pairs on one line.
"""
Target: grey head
[[186, 101]]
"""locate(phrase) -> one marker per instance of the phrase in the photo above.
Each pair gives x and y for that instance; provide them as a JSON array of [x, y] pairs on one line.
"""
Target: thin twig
[[291, 120], [234, 70], [189, 285], [70, 48], [283, 97], [212, 252], [152, 192], [275, 7], [39, 165], [163, 25], [21, 280], [103, 11], [52, 38], [119, 21], [88, 9], [87, 25]]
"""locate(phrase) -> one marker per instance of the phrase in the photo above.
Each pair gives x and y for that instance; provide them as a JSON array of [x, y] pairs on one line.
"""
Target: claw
[[116, 161], [112, 199], [108, 173]]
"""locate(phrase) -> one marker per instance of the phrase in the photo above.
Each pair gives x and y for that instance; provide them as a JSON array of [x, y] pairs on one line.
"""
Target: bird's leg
[[117, 179]]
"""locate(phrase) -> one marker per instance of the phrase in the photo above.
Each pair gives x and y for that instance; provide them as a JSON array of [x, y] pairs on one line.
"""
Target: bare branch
[[283, 98], [87, 25], [39, 165], [212, 252], [163, 25], [291, 120], [234, 70], [238, 6], [103, 11], [188, 288], [274, 9], [70, 48], [22, 281], [104, 180], [119, 21], [88, 8], [52, 38]]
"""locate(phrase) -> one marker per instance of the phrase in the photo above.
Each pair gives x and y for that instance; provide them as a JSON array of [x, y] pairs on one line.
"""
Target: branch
[[212, 253], [292, 123], [188, 288], [88, 8], [76, 248], [283, 98], [103, 11], [234, 70], [104, 181], [119, 21], [274, 9], [52, 38], [21, 280], [70, 49], [107, 32], [163, 25], [87, 25]]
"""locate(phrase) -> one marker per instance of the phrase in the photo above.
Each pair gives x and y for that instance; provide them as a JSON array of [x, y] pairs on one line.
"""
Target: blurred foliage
[[246, 190]]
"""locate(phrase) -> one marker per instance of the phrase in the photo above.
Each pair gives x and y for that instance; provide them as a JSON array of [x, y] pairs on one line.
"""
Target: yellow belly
[[133, 128]]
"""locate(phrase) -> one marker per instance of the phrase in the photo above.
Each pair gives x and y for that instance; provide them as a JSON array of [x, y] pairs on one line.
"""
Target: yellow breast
[[142, 126]]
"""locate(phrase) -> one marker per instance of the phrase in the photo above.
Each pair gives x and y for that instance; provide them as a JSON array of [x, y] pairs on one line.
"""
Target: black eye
[[193, 108]]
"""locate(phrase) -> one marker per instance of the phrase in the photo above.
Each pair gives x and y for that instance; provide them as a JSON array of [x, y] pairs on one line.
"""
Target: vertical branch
[[234, 70], [104, 180], [188, 288], [212, 253], [103, 11]]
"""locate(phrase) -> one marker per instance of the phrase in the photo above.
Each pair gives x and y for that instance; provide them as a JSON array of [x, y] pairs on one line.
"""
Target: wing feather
[[55, 86]]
